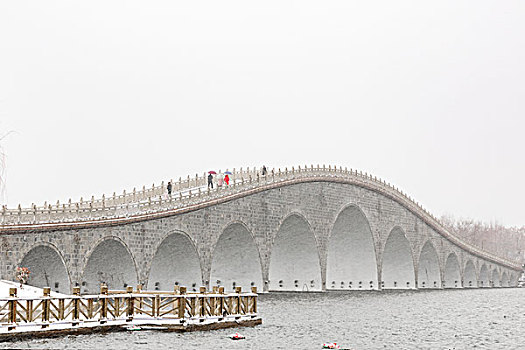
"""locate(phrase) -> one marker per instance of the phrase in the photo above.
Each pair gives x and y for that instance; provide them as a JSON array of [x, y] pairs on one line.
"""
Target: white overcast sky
[[109, 95]]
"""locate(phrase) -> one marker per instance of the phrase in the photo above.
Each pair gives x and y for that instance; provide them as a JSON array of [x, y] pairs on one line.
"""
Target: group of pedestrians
[[221, 179]]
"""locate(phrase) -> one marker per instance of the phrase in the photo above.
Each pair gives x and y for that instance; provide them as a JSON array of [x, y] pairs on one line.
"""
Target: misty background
[[103, 96]]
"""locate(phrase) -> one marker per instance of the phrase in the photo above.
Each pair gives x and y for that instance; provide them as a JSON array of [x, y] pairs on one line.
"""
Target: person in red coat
[[227, 179]]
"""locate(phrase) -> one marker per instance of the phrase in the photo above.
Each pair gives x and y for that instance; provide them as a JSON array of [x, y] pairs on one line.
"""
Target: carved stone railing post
[[34, 213]]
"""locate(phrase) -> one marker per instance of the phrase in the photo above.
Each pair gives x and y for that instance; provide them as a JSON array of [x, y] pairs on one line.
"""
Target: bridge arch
[[484, 279], [398, 263], [236, 260], [496, 282], [110, 262], [429, 275], [514, 276], [176, 262], [351, 258], [452, 272], [469, 275], [505, 282], [47, 267], [294, 258]]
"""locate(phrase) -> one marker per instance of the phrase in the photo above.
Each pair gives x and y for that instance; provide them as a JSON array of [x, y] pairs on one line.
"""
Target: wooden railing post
[[131, 304], [90, 308], [254, 300], [193, 301], [238, 291], [182, 302], [61, 307], [139, 290], [29, 311], [12, 309], [155, 306], [221, 302], [46, 307], [202, 301], [213, 311], [103, 303], [76, 304]]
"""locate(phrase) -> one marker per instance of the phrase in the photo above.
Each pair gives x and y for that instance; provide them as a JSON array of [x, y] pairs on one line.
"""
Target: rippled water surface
[[450, 319]]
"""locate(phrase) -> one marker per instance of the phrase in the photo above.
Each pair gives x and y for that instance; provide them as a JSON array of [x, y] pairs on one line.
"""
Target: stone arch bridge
[[300, 229]]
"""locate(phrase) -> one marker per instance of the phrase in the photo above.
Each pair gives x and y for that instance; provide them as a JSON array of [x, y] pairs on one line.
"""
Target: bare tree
[[504, 241]]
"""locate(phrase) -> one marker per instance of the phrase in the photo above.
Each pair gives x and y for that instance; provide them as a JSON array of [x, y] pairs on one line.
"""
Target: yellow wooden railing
[[128, 305]]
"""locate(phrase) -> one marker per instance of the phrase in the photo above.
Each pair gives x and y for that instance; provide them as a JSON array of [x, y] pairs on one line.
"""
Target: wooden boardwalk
[[122, 310]]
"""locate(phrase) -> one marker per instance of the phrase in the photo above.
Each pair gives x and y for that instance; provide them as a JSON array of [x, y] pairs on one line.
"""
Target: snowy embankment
[[24, 292]]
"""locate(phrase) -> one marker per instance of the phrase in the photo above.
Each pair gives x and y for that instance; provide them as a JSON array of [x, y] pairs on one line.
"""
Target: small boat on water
[[237, 336], [331, 346]]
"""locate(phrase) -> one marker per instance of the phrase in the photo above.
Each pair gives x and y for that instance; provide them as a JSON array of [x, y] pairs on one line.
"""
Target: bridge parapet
[[192, 193]]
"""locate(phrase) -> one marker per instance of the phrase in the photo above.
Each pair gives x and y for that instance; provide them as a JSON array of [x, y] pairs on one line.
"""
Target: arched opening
[[452, 272], [47, 269], [236, 261], [351, 259], [294, 260], [428, 275], [514, 277], [398, 265], [175, 263], [495, 278], [469, 275], [110, 263], [484, 281], [505, 282]]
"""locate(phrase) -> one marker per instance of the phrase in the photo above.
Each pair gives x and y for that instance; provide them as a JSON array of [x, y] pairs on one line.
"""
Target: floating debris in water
[[237, 336]]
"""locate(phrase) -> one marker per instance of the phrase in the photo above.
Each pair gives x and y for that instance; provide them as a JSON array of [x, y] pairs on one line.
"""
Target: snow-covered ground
[[25, 292]]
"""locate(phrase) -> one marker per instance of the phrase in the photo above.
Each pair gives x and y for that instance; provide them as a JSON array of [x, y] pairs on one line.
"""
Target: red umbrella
[[212, 172]]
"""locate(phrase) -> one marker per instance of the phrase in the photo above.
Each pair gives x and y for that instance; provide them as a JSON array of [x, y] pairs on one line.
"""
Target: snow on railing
[[194, 190], [125, 306]]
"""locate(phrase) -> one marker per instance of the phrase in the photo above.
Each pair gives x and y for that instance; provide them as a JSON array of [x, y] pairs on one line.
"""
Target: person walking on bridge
[[169, 188], [210, 181], [227, 179]]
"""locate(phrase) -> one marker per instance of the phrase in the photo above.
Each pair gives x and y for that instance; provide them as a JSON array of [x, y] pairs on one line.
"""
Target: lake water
[[443, 319]]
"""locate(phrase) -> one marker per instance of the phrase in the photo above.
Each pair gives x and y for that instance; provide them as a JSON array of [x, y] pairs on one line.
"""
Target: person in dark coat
[[210, 181], [169, 188], [264, 171]]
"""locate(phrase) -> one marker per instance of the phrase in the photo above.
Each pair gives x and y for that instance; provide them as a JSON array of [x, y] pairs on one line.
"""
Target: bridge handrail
[[193, 190]]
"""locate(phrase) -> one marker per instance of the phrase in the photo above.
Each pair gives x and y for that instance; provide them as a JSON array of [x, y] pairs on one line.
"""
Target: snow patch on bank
[[26, 291]]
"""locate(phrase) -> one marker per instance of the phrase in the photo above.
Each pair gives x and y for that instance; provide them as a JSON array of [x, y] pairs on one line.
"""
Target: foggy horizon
[[107, 96]]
